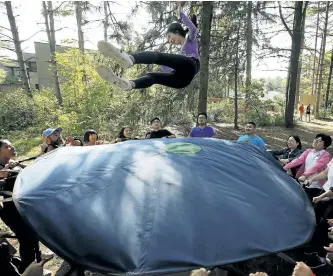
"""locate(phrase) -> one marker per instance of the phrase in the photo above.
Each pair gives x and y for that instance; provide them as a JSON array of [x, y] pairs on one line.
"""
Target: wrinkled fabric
[[142, 207]]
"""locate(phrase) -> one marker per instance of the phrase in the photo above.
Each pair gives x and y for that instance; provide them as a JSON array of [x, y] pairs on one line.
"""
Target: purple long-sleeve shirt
[[190, 47]]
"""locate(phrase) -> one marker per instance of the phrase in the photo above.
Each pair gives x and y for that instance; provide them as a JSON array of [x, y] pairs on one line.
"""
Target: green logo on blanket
[[182, 148]]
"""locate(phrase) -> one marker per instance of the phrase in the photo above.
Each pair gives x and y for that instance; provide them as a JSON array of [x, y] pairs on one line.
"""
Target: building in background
[[38, 69], [43, 62], [11, 79]]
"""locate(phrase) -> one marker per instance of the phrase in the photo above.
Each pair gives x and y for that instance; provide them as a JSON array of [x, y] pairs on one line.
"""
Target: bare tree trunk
[[313, 88], [318, 66], [294, 58], [106, 21], [236, 82], [322, 62], [207, 15], [249, 43], [18, 48], [329, 81], [299, 70], [49, 24], [78, 13]]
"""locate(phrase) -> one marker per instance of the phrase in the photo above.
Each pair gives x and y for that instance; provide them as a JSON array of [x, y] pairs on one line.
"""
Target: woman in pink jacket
[[313, 161]]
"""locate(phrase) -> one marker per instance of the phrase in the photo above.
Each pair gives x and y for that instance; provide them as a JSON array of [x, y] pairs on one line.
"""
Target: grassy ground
[[275, 137]]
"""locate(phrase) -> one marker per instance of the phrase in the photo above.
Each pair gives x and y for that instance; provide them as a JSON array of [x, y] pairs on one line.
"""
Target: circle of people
[[312, 168]]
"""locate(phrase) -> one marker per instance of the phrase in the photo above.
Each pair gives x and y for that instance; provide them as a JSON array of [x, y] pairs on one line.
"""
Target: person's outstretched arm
[[296, 162], [36, 269], [188, 23], [329, 193]]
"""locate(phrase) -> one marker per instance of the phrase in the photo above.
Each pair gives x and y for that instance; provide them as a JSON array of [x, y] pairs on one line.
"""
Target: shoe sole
[[107, 49], [309, 254], [108, 75]]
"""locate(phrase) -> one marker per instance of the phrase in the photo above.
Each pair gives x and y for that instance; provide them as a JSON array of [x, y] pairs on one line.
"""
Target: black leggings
[[323, 211], [185, 69]]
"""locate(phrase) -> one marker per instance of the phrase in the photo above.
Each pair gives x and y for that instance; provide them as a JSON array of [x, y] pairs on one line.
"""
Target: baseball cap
[[155, 119], [49, 131]]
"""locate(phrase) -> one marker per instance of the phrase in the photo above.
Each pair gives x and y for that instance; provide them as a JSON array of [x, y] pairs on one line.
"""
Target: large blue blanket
[[163, 205]]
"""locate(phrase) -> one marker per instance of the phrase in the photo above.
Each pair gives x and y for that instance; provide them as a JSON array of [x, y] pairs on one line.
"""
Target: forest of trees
[[233, 37]]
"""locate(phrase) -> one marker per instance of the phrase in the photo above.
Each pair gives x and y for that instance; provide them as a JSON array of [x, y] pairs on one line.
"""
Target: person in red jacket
[[301, 112]]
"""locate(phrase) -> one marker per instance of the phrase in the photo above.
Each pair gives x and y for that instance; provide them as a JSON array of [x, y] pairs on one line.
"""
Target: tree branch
[[304, 9], [283, 21], [57, 8], [32, 36], [7, 36], [2, 27], [9, 49]]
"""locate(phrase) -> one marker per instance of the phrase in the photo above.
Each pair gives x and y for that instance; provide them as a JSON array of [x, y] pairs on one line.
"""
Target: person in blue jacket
[[250, 137]]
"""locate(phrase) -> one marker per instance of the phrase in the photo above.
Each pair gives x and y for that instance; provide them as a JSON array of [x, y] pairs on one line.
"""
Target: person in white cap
[[52, 139]]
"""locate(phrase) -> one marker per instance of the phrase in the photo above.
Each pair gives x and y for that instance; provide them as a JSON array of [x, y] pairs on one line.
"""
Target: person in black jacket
[[289, 153], [29, 247], [157, 131], [125, 134]]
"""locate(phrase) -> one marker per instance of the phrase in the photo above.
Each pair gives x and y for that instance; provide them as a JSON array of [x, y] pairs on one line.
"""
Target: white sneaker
[[108, 75], [47, 255], [47, 272], [122, 58]]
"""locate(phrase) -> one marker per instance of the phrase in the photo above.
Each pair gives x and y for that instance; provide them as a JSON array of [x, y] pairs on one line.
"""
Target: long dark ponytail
[[194, 21]]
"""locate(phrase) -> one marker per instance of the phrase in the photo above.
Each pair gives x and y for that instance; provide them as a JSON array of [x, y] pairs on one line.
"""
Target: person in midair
[[179, 69]]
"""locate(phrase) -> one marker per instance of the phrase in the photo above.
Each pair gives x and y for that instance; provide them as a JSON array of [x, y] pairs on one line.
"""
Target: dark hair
[[202, 113], [252, 123], [121, 133], [3, 141], [326, 138], [88, 133], [155, 119], [77, 139], [177, 28], [297, 139]]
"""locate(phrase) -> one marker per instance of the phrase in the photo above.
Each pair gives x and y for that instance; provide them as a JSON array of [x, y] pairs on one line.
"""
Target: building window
[[32, 66]]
